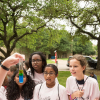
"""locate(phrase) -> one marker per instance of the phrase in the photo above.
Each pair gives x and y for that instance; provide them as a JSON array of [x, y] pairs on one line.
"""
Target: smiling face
[[37, 63], [76, 69], [16, 79], [50, 75]]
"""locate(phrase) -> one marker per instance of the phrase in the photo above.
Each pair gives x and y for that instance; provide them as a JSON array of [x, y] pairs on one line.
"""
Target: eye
[[75, 66], [51, 73], [70, 66], [45, 72]]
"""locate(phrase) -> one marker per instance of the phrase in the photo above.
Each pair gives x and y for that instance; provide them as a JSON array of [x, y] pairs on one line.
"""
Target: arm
[[94, 91], [36, 93], [11, 60]]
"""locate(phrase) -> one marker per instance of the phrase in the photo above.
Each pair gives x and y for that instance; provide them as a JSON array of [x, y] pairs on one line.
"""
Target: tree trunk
[[98, 63]]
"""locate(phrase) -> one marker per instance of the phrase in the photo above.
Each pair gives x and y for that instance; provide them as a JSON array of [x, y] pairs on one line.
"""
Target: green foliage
[[85, 48]]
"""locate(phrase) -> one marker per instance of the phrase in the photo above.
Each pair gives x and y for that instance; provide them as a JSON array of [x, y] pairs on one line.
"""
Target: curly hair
[[43, 60], [13, 91]]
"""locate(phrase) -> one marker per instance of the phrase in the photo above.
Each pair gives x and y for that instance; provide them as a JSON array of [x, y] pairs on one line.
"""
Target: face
[[37, 63], [16, 79], [49, 75], [76, 69]]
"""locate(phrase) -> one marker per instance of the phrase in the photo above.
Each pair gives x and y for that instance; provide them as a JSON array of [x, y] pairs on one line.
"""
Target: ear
[[57, 75], [84, 67]]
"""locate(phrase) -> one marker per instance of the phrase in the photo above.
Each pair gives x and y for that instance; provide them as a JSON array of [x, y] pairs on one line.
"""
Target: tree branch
[[83, 31]]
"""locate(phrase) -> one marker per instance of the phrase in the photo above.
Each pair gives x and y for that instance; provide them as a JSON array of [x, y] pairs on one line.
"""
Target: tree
[[80, 48], [47, 40], [84, 16], [19, 18]]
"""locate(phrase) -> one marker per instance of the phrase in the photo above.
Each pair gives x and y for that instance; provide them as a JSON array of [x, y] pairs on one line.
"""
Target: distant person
[[11, 71], [26, 65], [93, 75]]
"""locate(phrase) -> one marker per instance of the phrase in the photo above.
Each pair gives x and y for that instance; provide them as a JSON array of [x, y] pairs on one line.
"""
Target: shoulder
[[2, 89], [91, 80], [62, 87], [70, 78], [38, 85]]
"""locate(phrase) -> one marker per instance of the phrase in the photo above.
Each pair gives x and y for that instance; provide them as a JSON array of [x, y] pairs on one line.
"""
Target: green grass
[[50, 62], [63, 75]]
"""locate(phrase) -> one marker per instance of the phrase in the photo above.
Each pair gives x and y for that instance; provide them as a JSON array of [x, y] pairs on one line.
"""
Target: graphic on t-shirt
[[46, 98], [38, 82]]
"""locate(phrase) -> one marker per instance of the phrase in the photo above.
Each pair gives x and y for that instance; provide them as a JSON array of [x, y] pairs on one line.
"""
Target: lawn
[[63, 75], [50, 61]]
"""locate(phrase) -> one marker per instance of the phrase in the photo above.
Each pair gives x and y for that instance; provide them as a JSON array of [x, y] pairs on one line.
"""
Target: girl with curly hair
[[20, 91]]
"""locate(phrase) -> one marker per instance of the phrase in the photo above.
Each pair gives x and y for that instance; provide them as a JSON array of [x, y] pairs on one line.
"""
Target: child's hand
[[78, 93], [13, 59]]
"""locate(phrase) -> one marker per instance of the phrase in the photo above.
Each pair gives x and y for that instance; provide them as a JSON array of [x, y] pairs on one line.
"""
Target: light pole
[[56, 58]]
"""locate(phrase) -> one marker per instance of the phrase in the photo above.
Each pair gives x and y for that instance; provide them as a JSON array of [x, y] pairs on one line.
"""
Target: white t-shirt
[[2, 93], [91, 87], [42, 92], [38, 77]]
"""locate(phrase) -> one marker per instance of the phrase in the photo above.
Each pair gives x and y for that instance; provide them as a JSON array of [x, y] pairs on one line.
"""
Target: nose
[[48, 75], [35, 61]]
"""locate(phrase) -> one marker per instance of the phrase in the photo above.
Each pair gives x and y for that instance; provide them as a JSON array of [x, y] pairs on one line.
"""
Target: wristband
[[5, 68], [71, 97]]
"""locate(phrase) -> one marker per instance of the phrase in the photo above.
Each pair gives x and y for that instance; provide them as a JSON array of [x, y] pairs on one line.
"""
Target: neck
[[38, 71], [50, 85], [81, 77], [20, 88]]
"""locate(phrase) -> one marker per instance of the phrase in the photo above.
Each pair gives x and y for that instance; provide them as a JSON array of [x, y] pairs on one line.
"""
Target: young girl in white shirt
[[79, 86], [50, 90], [20, 91], [37, 62]]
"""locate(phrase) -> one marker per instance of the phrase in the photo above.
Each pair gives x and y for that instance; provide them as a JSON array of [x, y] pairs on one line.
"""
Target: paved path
[[62, 65]]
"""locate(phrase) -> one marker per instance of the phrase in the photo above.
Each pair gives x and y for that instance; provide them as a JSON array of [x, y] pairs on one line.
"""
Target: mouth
[[48, 80], [73, 73], [35, 66]]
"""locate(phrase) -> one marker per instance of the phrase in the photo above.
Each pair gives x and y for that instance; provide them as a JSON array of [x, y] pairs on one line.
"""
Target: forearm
[[3, 73]]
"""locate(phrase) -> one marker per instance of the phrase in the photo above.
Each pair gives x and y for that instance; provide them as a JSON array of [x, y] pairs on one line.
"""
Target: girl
[[50, 90], [79, 86], [20, 91], [11, 60], [37, 62]]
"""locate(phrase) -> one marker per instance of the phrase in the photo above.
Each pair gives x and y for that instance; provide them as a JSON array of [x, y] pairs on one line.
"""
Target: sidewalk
[[62, 65]]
